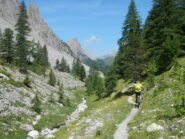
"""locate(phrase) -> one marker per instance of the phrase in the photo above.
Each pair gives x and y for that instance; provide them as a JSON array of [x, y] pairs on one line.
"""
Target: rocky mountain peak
[[34, 15], [9, 10]]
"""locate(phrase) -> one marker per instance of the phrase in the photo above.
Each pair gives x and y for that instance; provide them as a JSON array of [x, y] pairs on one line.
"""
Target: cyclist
[[138, 88]]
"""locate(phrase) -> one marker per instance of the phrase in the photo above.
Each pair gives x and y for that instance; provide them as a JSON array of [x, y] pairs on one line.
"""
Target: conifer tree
[[94, 83], [110, 81], [45, 56], [37, 104], [100, 86], [52, 78], [63, 66], [23, 29], [82, 73], [27, 81], [57, 64], [78, 69], [130, 55], [61, 95], [161, 34], [7, 46], [181, 23]]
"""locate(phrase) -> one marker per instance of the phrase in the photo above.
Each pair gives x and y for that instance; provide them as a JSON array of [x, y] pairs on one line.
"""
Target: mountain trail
[[122, 130]]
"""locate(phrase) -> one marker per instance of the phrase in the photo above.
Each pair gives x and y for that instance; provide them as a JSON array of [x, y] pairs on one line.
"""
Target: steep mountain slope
[[17, 115], [41, 32]]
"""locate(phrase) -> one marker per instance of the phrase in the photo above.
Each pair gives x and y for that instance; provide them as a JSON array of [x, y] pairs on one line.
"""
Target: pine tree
[[27, 81], [41, 55], [78, 70], [181, 24], [23, 29], [63, 66], [61, 95], [57, 64], [161, 34], [7, 46], [45, 56], [37, 104], [130, 55], [100, 87], [52, 78], [82, 73], [94, 83]]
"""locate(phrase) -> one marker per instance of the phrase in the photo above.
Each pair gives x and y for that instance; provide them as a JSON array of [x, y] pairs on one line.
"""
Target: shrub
[[179, 101], [27, 81], [37, 104]]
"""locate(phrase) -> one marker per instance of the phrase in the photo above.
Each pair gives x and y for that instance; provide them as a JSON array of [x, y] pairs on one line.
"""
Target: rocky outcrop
[[33, 134], [154, 127], [78, 50]]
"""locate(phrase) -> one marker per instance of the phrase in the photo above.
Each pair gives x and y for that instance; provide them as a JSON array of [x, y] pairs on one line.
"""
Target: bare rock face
[[9, 10], [41, 32]]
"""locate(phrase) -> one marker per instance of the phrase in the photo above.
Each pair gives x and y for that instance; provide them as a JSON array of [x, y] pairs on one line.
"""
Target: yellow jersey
[[138, 87]]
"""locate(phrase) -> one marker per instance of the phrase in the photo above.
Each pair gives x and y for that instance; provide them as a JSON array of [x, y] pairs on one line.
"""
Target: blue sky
[[96, 23]]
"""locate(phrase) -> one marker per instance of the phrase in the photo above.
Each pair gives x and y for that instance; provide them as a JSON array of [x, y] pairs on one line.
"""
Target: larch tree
[[7, 46], [23, 29], [161, 34], [130, 55]]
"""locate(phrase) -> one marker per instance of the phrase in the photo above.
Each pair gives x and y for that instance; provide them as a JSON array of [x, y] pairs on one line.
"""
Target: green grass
[[36, 68], [160, 99], [10, 128], [109, 111], [57, 115], [14, 83], [5, 73]]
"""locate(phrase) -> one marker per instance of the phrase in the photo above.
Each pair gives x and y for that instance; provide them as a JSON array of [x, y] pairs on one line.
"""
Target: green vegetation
[[57, 114], [12, 130], [7, 46], [78, 70], [37, 104], [62, 66], [21, 52], [109, 111], [162, 104], [52, 78], [61, 95], [23, 29], [27, 81], [95, 83]]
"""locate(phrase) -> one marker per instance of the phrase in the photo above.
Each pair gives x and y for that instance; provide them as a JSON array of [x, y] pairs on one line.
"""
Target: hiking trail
[[122, 130]]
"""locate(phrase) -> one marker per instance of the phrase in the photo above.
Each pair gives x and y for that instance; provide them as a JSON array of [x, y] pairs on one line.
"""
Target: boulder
[[33, 134], [50, 136], [26, 127], [45, 132], [3, 77], [154, 127]]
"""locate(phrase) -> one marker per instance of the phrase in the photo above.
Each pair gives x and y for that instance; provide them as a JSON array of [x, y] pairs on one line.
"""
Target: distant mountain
[[110, 54]]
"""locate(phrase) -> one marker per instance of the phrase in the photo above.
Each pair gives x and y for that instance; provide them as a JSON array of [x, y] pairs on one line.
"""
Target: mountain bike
[[138, 100]]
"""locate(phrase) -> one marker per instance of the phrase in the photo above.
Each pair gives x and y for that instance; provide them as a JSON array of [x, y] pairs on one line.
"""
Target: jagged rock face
[[41, 32], [9, 10], [78, 50]]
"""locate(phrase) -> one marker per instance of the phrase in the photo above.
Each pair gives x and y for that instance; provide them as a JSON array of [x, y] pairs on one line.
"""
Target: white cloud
[[92, 39]]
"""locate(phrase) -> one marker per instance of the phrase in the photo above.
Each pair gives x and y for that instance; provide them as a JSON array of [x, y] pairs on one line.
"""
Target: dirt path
[[122, 131]]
